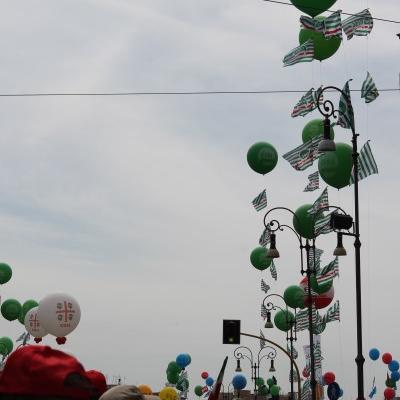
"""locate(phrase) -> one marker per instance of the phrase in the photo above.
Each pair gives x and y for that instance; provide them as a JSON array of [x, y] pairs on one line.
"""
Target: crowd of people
[[43, 373]]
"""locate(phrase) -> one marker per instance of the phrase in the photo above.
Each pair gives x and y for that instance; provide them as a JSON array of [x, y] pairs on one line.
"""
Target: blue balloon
[[239, 382], [395, 376], [394, 366], [341, 392], [183, 360], [374, 354], [209, 381]]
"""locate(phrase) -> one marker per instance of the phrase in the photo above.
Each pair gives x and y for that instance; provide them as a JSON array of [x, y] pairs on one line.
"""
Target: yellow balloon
[[168, 393], [145, 389]]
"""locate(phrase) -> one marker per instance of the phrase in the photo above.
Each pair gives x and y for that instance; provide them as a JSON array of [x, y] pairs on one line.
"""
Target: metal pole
[[291, 364], [310, 322], [357, 245]]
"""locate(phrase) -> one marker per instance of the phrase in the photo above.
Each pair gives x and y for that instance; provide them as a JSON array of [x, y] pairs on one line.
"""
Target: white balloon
[[33, 325], [59, 314]]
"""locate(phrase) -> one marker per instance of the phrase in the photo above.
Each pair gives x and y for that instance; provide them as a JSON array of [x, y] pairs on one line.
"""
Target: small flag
[[333, 313], [316, 259], [321, 202], [346, 113], [373, 390], [329, 27], [263, 311], [307, 103], [369, 91], [301, 320], [295, 353], [264, 286], [304, 155], [322, 225], [359, 24], [262, 342], [331, 270], [302, 53], [306, 392], [272, 269], [313, 183], [366, 163], [260, 201], [295, 377], [265, 237]]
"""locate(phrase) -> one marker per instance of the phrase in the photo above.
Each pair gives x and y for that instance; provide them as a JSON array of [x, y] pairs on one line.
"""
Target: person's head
[[123, 392], [39, 372]]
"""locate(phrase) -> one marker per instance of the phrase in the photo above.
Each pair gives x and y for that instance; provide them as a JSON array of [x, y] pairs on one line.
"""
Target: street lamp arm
[[239, 355], [271, 306], [279, 208], [270, 355]]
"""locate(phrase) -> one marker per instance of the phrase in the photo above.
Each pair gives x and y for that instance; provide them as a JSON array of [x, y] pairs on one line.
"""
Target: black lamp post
[[291, 334], [327, 109], [269, 353]]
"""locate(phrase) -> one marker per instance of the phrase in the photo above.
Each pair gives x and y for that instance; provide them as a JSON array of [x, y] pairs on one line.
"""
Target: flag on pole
[[272, 269], [369, 91], [346, 113], [263, 311], [313, 183], [260, 201], [265, 237], [323, 225], [264, 286], [307, 103], [314, 261], [373, 391], [304, 155], [321, 202], [366, 163], [329, 27], [262, 342], [302, 53], [359, 24]]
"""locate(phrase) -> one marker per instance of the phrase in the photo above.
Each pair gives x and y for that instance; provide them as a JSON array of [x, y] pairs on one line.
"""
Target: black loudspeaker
[[341, 221], [231, 331]]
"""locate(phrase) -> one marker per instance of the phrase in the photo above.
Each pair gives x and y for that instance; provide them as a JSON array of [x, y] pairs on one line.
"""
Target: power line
[[159, 93], [321, 9]]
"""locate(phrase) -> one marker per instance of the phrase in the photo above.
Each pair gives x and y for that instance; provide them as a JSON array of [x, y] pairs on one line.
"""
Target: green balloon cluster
[[262, 157], [259, 259], [173, 371], [283, 320], [198, 390], [11, 309], [27, 306], [304, 222], [313, 7], [260, 382], [294, 296], [5, 273], [274, 390], [335, 166], [6, 345], [315, 128], [271, 382]]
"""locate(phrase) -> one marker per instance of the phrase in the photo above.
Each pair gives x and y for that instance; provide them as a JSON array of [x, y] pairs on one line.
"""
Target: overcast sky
[[140, 206]]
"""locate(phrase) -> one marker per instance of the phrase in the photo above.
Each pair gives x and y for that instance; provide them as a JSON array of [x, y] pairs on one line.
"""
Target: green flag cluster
[[329, 27]]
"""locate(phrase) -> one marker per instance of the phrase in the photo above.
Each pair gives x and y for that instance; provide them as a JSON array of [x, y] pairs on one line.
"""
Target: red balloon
[[329, 377], [204, 375], [389, 393], [320, 301], [387, 358], [306, 373]]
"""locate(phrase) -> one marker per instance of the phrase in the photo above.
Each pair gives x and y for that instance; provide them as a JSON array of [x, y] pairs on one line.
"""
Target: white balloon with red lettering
[[59, 314], [33, 325]]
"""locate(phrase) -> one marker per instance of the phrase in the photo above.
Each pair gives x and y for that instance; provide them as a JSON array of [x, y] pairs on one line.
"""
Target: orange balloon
[[145, 389]]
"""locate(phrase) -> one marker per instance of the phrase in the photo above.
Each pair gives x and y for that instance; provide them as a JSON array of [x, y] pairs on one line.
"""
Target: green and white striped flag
[[262, 342], [263, 311], [272, 269], [329, 27], [260, 201], [295, 352], [317, 258], [301, 320], [369, 91], [366, 163], [302, 53], [307, 103], [265, 237], [359, 24], [330, 271], [264, 286], [322, 225], [346, 113], [306, 391], [333, 313], [304, 155], [321, 202], [313, 183]]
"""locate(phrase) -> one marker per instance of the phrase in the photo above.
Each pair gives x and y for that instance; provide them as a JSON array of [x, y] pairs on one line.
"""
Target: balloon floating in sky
[[11, 309], [294, 296], [209, 381], [204, 375], [145, 389], [313, 7], [6, 345], [394, 366], [262, 157], [274, 390], [183, 360], [283, 320], [168, 393], [33, 325], [259, 259], [329, 377], [395, 376], [374, 354], [5, 273], [239, 382], [389, 393], [304, 222], [386, 358], [315, 128], [198, 390]]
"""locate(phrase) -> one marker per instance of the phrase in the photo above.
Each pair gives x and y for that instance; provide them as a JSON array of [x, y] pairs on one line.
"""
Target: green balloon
[[6, 345], [263, 391], [274, 390], [198, 390], [259, 259], [11, 309], [294, 296], [323, 48], [304, 222], [262, 157], [5, 273], [390, 383], [320, 287], [174, 368], [315, 128], [335, 166], [313, 7], [270, 382], [182, 385], [283, 320], [172, 378], [260, 382]]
